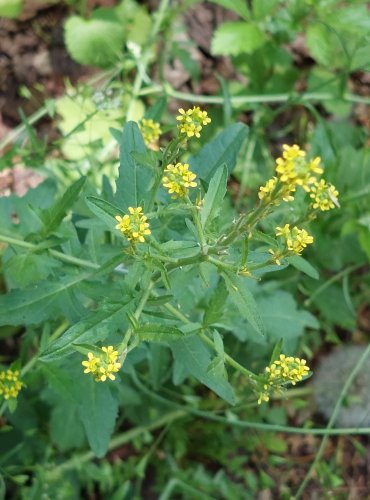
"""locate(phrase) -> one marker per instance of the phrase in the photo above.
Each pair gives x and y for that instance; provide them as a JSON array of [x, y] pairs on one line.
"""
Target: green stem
[[198, 225], [136, 315], [249, 424], [209, 342], [78, 460], [329, 282], [144, 58], [59, 255], [331, 422], [252, 99]]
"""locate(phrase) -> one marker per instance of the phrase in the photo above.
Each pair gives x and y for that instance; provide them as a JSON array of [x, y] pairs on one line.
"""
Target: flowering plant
[[169, 271]]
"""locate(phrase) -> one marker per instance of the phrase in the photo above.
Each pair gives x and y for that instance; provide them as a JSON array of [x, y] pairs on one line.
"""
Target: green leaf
[[24, 269], [194, 358], [135, 180], [66, 430], [215, 308], [97, 41], [234, 38], [10, 8], [213, 198], [223, 150], [98, 413], [53, 216], [35, 304], [237, 6], [303, 265], [104, 210], [243, 299], [155, 332], [282, 319], [96, 327], [276, 351]]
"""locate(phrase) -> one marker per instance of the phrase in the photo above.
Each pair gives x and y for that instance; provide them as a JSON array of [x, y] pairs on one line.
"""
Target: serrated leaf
[[244, 300], [155, 332], [223, 150], [98, 413], [234, 38], [96, 327], [213, 198], [135, 180], [53, 216], [238, 6], [34, 304], [96, 41], [193, 357], [303, 265]]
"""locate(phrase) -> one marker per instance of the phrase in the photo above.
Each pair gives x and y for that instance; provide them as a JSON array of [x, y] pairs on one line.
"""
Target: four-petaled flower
[[192, 121], [324, 196], [10, 383], [103, 366], [134, 225], [178, 179]]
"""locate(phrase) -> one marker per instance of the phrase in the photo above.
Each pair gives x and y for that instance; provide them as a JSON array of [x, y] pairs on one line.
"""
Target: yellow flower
[[296, 239], [178, 179], [103, 366], [294, 170], [192, 121], [133, 225], [324, 196], [266, 190], [286, 369], [151, 131], [10, 384]]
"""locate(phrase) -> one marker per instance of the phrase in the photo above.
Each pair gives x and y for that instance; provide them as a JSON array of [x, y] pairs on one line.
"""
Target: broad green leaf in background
[[24, 269], [238, 6], [282, 320], [244, 300], [135, 180], [10, 8], [223, 150], [83, 125], [212, 201], [234, 38], [194, 357], [97, 41], [35, 304], [98, 413]]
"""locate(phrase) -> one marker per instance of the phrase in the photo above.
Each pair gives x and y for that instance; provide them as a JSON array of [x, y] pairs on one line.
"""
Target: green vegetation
[[170, 285]]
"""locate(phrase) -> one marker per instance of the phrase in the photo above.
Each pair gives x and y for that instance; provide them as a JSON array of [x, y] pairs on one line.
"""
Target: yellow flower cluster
[[292, 170], [295, 241], [10, 385], [324, 196], [192, 121], [103, 366], [134, 225], [178, 179], [282, 371], [151, 131]]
